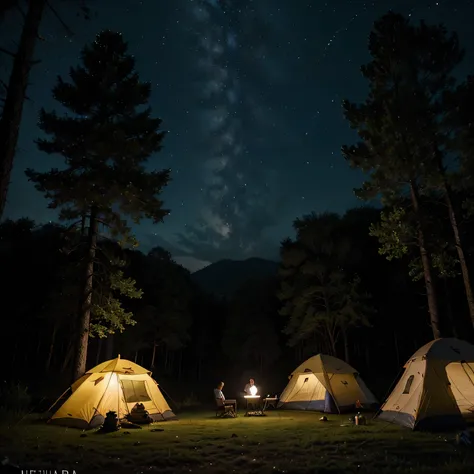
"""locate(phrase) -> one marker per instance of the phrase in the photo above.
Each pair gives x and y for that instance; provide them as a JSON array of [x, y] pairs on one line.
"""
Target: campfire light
[[253, 390]]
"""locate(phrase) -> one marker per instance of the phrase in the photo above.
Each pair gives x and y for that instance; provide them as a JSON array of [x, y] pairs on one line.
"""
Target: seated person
[[247, 387], [220, 398]]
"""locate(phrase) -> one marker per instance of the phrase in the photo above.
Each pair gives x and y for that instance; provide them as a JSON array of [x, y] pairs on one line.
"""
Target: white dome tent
[[327, 384], [436, 390]]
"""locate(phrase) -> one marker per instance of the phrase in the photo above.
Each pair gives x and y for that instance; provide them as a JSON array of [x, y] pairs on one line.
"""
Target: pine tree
[[105, 142], [399, 123], [13, 94]]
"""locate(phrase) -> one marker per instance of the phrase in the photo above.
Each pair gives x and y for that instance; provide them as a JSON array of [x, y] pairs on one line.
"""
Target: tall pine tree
[[403, 147], [15, 91], [105, 141]]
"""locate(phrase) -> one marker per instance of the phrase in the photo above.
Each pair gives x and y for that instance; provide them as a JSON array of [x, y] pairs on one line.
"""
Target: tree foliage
[[105, 142], [250, 335], [163, 316], [403, 148], [320, 299]]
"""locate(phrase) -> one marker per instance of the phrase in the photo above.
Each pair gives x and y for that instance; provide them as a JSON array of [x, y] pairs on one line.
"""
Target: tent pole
[[96, 409]]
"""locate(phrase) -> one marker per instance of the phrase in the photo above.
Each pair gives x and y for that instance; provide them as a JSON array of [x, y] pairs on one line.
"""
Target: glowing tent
[[325, 383], [436, 390], [116, 385]]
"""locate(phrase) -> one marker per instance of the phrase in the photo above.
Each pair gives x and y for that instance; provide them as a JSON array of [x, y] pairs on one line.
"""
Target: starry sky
[[250, 92]]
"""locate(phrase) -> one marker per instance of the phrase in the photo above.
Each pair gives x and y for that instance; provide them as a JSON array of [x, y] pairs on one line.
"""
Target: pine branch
[[8, 53], [58, 17], [22, 13]]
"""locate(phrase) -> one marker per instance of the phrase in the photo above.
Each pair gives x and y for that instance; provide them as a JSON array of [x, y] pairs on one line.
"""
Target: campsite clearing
[[291, 442]]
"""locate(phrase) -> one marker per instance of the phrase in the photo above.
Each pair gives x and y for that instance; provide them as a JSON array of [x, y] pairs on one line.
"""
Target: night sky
[[250, 92]]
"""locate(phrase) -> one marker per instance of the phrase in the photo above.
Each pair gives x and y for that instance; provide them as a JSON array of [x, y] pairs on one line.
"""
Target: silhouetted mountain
[[225, 277]]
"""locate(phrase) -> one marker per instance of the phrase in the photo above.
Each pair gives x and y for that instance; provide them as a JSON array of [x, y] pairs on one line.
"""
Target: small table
[[270, 402], [254, 407]]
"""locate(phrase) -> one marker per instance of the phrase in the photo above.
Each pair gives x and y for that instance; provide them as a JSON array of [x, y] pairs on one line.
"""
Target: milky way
[[236, 204]]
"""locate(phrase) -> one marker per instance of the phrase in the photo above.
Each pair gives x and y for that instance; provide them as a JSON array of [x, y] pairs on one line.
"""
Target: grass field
[[290, 442]]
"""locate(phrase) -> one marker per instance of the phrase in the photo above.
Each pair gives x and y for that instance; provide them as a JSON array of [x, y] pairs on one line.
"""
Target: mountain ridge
[[224, 277]]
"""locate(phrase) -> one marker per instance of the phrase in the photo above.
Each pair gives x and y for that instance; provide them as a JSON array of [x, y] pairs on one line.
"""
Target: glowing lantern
[[253, 390]]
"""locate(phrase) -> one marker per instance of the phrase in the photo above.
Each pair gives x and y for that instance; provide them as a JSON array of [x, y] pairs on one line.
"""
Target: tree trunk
[[99, 350], [449, 310], [69, 355], [38, 346], [109, 347], [460, 250], [180, 366], [426, 262], [153, 355], [136, 357], [10, 120], [397, 352], [83, 224], [332, 340], [85, 314], [14, 351], [198, 369], [346, 345], [51, 348]]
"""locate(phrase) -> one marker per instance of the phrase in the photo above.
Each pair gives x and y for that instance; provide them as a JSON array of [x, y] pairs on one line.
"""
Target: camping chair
[[223, 410]]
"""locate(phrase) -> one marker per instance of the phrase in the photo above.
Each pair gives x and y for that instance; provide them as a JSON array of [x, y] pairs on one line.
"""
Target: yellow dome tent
[[116, 385], [436, 389], [325, 383]]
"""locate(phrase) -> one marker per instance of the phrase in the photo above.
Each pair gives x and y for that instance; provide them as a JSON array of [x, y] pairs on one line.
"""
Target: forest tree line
[[369, 286]]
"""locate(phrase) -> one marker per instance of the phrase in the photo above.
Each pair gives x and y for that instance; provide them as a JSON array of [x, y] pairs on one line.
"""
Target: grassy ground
[[289, 442]]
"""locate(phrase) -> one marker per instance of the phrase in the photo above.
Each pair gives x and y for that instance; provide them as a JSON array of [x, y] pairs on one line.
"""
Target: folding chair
[[223, 410]]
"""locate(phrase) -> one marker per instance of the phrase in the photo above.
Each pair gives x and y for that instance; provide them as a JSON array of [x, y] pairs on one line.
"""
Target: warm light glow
[[253, 390]]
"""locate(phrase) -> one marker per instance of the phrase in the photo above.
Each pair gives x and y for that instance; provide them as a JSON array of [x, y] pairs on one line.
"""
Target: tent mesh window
[[135, 391], [408, 385]]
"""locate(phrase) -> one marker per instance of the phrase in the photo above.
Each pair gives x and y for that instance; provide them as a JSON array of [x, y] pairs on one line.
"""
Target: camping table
[[269, 402], [254, 407]]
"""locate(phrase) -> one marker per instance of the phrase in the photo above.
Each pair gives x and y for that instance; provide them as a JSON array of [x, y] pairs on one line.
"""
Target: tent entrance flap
[[461, 380]]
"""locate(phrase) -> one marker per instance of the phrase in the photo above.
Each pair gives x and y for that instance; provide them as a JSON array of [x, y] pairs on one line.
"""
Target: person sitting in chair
[[218, 392], [220, 398]]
